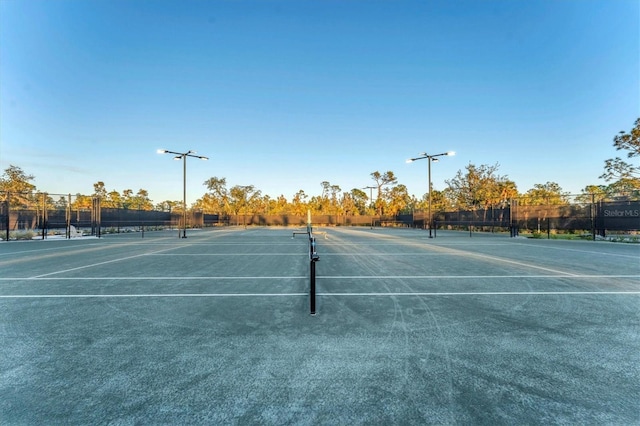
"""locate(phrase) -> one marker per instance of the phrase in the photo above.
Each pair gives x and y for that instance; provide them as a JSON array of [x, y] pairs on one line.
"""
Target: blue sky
[[286, 94]]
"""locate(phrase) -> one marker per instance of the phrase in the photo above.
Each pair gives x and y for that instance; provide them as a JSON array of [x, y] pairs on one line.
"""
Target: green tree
[[280, 205], [398, 199], [549, 193], [624, 188], [382, 180], [217, 198], [335, 201], [264, 205], [62, 202], [141, 200], [478, 187], [321, 204], [328, 202], [82, 202], [16, 182], [127, 199], [316, 204], [439, 201], [593, 193], [99, 190], [617, 168], [299, 203], [243, 198], [359, 199], [166, 206], [113, 200]]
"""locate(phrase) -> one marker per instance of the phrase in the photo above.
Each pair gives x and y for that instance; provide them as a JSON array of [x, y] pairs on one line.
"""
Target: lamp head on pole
[[425, 156]]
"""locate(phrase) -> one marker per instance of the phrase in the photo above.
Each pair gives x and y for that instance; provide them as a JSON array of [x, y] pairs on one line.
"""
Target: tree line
[[472, 188]]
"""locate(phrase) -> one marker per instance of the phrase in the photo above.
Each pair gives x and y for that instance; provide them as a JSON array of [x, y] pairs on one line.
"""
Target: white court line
[[223, 295], [147, 278], [441, 249], [385, 254], [465, 253], [227, 254], [474, 277], [580, 251], [488, 293], [102, 296], [199, 244], [37, 251], [403, 242], [100, 263], [323, 277]]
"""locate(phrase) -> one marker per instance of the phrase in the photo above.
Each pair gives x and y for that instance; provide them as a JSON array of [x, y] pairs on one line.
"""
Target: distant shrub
[[21, 235], [625, 239]]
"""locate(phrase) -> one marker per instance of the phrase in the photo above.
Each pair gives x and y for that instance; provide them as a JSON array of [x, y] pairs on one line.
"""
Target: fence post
[[7, 210], [99, 217], [93, 216], [43, 219], [68, 216], [592, 212], [44, 215]]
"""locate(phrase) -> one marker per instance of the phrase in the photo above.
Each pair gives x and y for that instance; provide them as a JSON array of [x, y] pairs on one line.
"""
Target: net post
[[313, 258], [312, 288]]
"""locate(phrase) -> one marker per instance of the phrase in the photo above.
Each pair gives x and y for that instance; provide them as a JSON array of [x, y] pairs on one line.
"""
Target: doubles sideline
[[389, 294]]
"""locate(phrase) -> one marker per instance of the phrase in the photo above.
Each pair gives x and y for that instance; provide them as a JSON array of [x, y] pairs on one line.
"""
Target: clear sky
[[283, 95]]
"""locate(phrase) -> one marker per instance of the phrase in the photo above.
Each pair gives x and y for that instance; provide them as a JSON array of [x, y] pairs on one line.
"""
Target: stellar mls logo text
[[622, 213]]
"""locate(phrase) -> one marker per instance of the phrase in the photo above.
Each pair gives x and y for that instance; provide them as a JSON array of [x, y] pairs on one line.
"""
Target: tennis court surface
[[215, 329]]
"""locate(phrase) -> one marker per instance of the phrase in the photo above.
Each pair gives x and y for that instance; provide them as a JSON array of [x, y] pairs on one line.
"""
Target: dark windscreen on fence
[[40, 213]]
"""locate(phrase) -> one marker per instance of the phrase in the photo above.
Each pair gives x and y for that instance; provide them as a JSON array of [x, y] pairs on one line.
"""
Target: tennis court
[[215, 328]]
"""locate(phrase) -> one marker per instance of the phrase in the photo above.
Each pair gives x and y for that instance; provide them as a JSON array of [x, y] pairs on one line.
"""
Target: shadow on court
[[215, 328]]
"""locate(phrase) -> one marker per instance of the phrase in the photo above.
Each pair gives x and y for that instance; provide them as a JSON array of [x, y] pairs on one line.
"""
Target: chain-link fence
[[29, 215], [42, 215], [582, 214]]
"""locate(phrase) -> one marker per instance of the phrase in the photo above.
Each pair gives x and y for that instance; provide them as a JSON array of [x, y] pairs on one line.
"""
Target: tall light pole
[[370, 188], [183, 156], [430, 159]]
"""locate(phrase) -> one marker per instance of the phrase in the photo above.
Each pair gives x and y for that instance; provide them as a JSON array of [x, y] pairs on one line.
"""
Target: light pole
[[183, 156], [370, 188], [430, 159]]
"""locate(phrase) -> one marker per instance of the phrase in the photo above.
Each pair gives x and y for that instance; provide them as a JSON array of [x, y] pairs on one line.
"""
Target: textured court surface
[[215, 328]]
